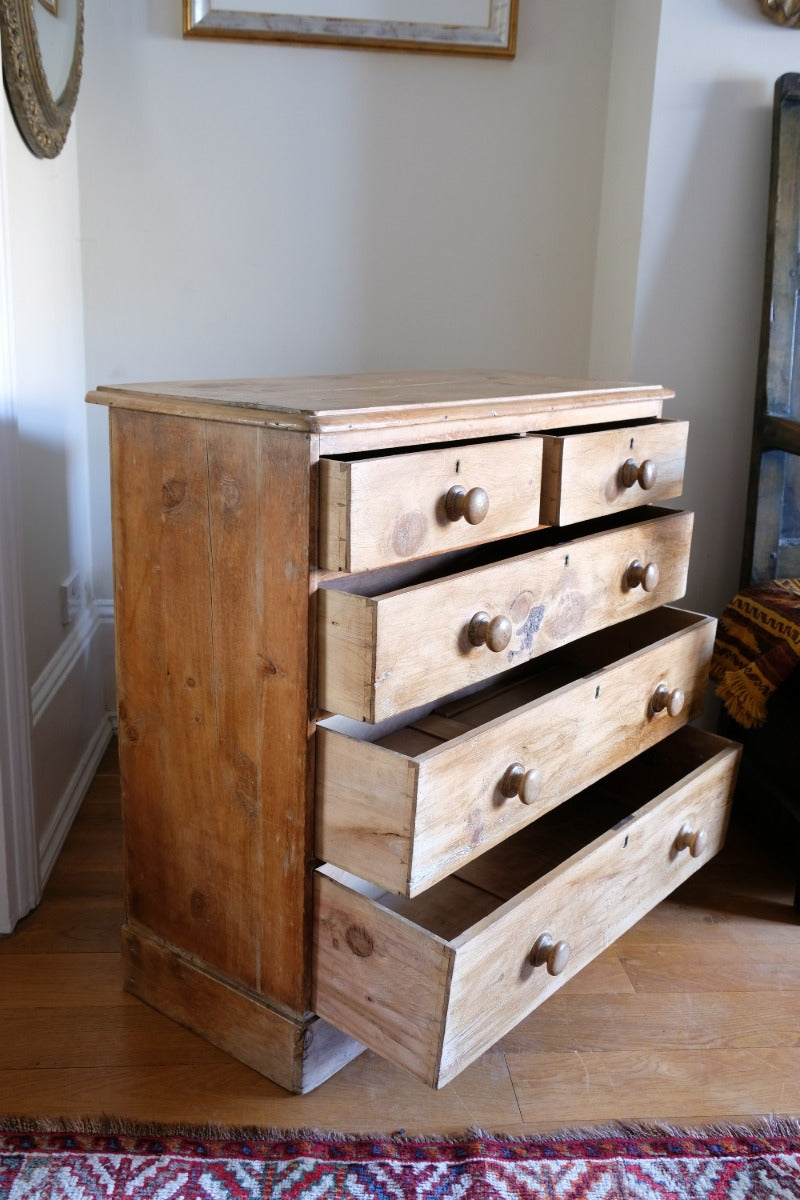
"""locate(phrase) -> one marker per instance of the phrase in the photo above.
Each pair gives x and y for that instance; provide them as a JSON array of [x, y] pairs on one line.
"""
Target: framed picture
[[50, 5], [438, 26]]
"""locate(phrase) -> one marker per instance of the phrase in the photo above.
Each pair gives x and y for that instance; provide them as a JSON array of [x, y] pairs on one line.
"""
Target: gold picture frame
[[51, 6], [493, 33]]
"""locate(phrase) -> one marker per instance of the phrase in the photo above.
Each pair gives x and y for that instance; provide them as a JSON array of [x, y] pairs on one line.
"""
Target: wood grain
[[378, 510], [383, 654], [212, 529], [76, 1046], [582, 472], [404, 818], [432, 997], [440, 405]]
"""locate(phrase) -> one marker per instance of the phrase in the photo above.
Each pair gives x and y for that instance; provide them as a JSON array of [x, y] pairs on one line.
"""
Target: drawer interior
[[450, 909]]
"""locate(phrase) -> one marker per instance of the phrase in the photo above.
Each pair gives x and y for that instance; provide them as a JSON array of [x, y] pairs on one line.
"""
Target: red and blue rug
[[59, 1163]]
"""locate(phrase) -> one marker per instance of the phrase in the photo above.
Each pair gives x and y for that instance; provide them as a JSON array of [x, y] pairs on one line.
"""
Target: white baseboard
[[52, 839], [72, 725]]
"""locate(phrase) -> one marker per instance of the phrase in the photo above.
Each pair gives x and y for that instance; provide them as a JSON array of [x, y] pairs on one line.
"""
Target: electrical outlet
[[69, 594]]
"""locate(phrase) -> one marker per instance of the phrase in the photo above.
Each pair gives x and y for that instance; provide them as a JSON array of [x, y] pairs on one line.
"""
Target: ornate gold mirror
[[782, 12], [42, 61]]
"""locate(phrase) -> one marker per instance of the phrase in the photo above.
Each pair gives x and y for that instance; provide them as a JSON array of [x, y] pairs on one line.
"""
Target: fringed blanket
[[757, 647]]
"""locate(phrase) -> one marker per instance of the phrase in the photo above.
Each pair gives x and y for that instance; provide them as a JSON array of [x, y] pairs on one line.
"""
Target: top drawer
[[592, 473], [388, 508]]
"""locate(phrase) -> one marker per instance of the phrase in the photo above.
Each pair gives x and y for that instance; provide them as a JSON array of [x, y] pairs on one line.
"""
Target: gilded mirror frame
[[42, 119], [213, 19]]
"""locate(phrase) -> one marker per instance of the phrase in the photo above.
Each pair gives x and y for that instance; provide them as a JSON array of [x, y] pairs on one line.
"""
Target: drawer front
[[587, 475], [431, 995], [383, 510], [382, 655], [406, 819]]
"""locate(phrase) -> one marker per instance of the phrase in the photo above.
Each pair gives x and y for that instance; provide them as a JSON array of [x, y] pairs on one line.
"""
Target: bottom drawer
[[431, 983]]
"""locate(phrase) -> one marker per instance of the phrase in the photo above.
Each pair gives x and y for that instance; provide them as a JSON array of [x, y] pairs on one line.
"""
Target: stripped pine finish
[[372, 664], [414, 805], [370, 548], [590, 474], [689, 1017], [379, 510], [437, 988]]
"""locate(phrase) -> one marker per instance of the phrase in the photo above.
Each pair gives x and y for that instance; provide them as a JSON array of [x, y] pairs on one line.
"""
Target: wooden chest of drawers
[[403, 703]]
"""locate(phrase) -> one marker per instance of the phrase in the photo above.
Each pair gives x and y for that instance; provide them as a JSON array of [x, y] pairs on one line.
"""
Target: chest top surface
[[340, 404]]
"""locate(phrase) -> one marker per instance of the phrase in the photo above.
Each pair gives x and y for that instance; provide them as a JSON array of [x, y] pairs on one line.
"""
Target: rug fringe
[[767, 1126]]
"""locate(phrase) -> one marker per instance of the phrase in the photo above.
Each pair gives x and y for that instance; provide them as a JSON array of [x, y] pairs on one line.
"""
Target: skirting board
[[72, 726]]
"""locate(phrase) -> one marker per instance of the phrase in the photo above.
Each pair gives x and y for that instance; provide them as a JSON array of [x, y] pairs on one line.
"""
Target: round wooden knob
[[494, 632], [472, 505], [641, 575], [642, 473], [665, 700], [551, 954], [693, 840], [519, 782]]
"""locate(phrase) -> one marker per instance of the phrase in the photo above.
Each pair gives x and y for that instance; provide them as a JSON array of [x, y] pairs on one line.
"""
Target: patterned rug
[[615, 1163]]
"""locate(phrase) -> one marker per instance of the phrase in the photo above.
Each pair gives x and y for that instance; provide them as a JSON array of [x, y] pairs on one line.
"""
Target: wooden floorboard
[[691, 1017]]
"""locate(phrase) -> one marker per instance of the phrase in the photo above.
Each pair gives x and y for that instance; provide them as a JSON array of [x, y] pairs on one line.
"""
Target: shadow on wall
[[45, 545], [69, 663], [701, 310]]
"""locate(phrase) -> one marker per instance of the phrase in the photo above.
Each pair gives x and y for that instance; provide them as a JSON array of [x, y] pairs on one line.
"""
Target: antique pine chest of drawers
[[404, 703]]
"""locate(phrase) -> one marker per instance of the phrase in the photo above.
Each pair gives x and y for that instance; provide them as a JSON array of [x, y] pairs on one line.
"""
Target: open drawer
[[384, 508], [384, 648], [591, 473], [405, 808], [431, 983]]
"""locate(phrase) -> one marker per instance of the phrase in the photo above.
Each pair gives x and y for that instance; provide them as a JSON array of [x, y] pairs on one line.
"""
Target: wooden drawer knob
[[494, 632], [472, 505], [641, 575], [519, 782], [642, 473], [693, 840], [551, 954], [666, 700]]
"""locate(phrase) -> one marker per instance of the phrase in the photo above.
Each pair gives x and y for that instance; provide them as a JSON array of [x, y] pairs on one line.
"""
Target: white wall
[[66, 712], [256, 209], [701, 254], [597, 205]]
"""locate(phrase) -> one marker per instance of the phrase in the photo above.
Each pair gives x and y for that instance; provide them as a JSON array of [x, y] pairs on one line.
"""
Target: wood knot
[[267, 667], [231, 492], [408, 534], [359, 940], [200, 907], [173, 493]]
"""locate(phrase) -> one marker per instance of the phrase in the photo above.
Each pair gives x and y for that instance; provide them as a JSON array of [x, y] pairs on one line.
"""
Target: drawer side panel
[[366, 798], [379, 978]]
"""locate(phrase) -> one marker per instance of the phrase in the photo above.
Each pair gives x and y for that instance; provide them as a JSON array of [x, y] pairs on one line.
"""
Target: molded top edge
[[317, 404]]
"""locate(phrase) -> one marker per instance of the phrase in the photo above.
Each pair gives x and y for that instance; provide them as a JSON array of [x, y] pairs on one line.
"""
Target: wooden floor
[[693, 1016]]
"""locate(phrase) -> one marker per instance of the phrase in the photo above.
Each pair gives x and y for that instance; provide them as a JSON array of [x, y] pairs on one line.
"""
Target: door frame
[[20, 884]]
